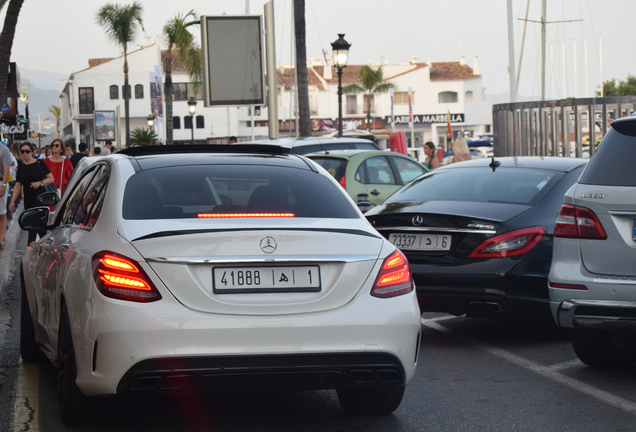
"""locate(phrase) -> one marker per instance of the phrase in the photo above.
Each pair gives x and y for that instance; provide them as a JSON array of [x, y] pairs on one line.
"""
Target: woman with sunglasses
[[59, 165], [31, 177]]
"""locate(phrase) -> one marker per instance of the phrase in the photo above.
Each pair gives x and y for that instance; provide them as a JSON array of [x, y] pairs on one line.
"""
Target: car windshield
[[479, 184], [233, 191]]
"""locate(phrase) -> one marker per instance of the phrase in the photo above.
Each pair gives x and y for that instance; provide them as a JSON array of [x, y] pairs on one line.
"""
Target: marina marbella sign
[[425, 119]]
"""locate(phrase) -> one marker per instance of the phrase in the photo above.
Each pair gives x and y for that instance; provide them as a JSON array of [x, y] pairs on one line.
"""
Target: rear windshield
[[231, 191], [505, 185], [314, 148], [613, 162], [336, 167]]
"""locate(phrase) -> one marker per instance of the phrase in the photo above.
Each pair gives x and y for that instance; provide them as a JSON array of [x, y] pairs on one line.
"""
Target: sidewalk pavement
[[7, 255]]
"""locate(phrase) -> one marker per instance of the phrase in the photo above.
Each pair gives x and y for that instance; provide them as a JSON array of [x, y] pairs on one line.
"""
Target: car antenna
[[494, 164]]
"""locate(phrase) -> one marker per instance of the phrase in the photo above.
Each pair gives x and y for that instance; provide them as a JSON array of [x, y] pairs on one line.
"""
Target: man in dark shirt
[[83, 152]]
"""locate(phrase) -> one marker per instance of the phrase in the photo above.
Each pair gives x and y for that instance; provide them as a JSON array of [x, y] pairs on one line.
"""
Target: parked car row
[[253, 269]]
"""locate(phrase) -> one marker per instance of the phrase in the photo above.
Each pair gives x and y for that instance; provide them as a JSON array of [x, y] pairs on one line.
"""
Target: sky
[[588, 41]]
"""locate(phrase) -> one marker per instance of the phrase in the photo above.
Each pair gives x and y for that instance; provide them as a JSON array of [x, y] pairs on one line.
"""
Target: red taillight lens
[[578, 222], [567, 286], [120, 278], [394, 278], [510, 244], [343, 182]]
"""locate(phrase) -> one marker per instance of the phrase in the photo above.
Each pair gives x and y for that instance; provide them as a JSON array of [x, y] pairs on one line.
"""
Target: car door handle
[[374, 192]]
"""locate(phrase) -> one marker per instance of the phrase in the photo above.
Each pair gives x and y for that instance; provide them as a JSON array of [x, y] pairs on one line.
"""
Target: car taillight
[[578, 222], [510, 244], [343, 182], [394, 278], [577, 287], [120, 278]]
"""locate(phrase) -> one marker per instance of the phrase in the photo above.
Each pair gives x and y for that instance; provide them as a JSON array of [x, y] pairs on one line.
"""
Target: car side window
[[91, 204], [379, 171], [69, 208], [408, 169], [85, 201]]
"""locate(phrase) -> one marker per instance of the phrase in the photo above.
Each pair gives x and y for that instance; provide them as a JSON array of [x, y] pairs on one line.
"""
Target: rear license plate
[[430, 242], [266, 279]]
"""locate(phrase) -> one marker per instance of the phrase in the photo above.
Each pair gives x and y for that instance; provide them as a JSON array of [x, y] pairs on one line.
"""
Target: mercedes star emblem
[[417, 220], [268, 244]]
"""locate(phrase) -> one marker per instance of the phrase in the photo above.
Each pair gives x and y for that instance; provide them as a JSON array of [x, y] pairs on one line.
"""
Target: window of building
[[402, 98], [176, 122], [352, 104], [125, 91], [187, 122], [367, 99], [313, 104], [184, 91], [468, 97], [86, 100], [200, 122], [447, 97], [114, 92], [139, 91]]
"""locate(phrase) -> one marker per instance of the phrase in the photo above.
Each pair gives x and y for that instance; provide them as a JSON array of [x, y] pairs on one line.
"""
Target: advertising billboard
[[105, 126]]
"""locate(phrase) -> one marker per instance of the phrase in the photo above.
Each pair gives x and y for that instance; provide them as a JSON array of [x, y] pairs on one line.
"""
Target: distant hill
[[44, 91]]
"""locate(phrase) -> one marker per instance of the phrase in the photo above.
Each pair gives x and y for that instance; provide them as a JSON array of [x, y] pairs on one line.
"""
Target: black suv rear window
[[208, 190], [613, 162]]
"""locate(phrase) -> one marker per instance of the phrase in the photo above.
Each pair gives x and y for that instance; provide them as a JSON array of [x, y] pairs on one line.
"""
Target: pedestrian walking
[[5, 171], [31, 178], [82, 153], [59, 165], [431, 156]]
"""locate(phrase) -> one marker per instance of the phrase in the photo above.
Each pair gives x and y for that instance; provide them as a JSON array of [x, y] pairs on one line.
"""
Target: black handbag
[[49, 187]]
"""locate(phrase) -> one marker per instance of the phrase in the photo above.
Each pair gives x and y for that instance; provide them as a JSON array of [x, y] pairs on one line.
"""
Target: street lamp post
[[192, 108], [151, 121], [340, 50]]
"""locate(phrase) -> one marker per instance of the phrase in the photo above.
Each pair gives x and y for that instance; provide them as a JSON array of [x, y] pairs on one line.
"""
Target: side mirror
[[48, 198], [34, 219]]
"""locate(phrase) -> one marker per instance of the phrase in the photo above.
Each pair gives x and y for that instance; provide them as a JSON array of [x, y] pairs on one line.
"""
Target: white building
[[436, 89]]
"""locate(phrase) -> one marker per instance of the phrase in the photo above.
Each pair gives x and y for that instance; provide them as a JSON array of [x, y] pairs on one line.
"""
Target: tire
[[73, 405], [29, 349], [371, 400], [598, 348]]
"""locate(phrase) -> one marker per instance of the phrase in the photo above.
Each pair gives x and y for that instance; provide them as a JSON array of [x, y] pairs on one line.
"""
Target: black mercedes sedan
[[478, 234]]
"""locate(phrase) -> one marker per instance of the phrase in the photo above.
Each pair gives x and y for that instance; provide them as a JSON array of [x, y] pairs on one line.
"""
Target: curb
[[7, 256]]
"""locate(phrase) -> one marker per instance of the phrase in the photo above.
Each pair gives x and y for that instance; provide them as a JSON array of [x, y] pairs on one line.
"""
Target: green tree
[[57, 113], [122, 22], [178, 39], [143, 137], [620, 88], [6, 42], [371, 83], [304, 120]]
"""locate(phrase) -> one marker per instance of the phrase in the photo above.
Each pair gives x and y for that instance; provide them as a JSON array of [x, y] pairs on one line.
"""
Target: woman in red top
[[60, 167]]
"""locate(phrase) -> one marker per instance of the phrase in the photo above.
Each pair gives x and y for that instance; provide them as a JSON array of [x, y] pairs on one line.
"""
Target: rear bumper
[[247, 374], [613, 316]]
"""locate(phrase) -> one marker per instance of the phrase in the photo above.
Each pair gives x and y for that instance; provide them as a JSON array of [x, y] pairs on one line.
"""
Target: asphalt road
[[473, 375]]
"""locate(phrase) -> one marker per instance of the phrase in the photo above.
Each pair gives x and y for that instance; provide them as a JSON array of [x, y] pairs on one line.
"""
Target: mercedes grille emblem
[[268, 244], [417, 220]]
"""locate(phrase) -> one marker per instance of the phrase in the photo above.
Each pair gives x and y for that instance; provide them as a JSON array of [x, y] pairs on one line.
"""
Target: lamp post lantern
[[192, 108], [151, 121], [340, 50]]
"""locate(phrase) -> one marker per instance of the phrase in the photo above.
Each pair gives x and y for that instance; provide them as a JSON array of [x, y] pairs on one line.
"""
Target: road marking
[[27, 401], [550, 372]]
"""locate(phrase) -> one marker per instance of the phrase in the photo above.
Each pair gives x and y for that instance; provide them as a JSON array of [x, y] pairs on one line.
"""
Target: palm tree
[[143, 137], [178, 37], [304, 121], [371, 83], [56, 111], [6, 42], [122, 23]]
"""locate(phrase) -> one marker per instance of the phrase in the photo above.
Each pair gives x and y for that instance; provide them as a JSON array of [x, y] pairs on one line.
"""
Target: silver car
[[592, 280]]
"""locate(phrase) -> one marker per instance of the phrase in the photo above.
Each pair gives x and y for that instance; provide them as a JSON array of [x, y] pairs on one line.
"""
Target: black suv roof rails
[[204, 148]]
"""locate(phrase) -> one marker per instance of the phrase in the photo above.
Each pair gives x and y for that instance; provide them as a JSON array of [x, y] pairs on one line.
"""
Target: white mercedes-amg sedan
[[215, 269]]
